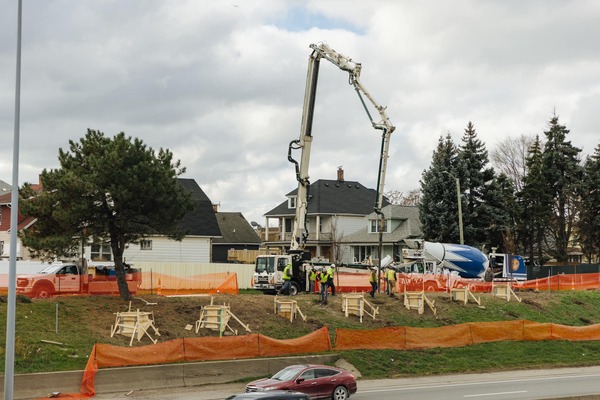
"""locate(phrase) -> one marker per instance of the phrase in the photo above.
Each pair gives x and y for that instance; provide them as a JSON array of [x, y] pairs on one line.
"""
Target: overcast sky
[[221, 83]]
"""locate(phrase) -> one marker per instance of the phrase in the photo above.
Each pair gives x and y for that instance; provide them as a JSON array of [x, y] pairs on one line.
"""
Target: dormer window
[[292, 202], [374, 226]]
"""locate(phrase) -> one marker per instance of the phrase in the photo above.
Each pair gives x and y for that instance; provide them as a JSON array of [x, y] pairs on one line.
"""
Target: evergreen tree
[[438, 206], [501, 215], [480, 215], [563, 173], [109, 189], [588, 225]]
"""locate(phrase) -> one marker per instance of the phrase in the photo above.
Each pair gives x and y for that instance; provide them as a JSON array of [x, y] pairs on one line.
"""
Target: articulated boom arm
[[300, 230]]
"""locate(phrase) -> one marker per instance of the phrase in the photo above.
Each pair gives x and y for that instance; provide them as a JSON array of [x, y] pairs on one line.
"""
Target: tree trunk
[[118, 248]]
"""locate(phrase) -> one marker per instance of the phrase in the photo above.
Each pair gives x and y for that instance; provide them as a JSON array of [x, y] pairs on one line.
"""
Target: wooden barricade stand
[[354, 303], [135, 324], [216, 317], [417, 301], [288, 309], [504, 291], [463, 294]]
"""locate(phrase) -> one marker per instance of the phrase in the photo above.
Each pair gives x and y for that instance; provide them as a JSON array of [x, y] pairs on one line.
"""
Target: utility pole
[[460, 219]]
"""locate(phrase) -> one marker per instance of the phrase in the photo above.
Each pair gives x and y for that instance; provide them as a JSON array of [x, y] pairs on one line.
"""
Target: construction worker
[[323, 278], [373, 281], [331, 273], [391, 279], [312, 277], [287, 280]]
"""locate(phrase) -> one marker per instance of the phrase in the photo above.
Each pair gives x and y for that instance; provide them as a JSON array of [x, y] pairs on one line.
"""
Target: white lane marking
[[494, 394], [442, 385]]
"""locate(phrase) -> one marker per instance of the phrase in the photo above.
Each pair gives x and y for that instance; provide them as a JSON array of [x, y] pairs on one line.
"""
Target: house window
[[101, 252], [288, 225], [374, 226], [146, 245], [292, 202], [362, 252]]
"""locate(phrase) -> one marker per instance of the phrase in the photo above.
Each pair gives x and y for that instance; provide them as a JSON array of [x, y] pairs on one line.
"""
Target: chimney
[[216, 207], [340, 174]]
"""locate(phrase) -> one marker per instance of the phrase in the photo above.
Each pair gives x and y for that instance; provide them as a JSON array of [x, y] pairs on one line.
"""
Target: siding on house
[[190, 249]]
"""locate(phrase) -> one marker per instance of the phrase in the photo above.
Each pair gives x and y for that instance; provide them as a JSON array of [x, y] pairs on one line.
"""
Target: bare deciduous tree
[[397, 197], [508, 157]]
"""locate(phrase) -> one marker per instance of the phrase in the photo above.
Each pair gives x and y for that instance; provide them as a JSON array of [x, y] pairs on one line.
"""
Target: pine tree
[[588, 225], [110, 189], [534, 206], [480, 215], [563, 173], [438, 206]]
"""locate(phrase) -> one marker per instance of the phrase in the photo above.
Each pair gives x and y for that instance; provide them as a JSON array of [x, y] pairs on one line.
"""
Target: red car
[[318, 381]]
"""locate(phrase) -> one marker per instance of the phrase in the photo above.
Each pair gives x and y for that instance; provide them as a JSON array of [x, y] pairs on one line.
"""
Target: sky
[[221, 83]]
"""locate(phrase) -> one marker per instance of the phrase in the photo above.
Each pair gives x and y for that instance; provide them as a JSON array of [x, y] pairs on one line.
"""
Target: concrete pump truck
[[268, 274]]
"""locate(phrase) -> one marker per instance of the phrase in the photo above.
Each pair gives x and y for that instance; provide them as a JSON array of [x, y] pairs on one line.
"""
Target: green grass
[[85, 321], [486, 357]]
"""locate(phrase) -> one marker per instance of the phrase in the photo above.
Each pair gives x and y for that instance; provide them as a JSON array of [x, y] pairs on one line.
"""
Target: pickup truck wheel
[[294, 289], [43, 292]]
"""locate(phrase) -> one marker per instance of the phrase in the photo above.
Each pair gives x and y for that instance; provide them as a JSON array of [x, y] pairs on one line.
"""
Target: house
[[336, 208], [5, 218], [4, 187], [401, 223], [202, 228], [236, 233]]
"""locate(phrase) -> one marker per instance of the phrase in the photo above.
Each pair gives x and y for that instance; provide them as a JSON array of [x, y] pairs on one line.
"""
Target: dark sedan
[[317, 381], [271, 395]]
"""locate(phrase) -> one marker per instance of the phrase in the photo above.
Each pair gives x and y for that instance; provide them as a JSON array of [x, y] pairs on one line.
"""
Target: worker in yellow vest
[[312, 278], [323, 279], [390, 274], [331, 273], [373, 281], [287, 280]]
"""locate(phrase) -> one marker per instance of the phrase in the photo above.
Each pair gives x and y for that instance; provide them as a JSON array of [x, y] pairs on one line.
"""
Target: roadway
[[579, 383]]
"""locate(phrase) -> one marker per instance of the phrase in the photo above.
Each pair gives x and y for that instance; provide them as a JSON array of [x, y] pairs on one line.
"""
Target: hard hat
[[333, 265]]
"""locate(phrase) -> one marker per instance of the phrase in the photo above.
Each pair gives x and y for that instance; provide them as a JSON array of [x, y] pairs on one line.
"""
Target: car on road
[[271, 395], [317, 381]]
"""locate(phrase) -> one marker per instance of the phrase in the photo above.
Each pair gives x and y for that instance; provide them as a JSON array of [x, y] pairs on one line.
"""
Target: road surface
[[513, 385]]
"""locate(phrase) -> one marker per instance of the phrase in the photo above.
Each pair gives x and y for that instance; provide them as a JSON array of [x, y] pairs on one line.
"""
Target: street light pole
[[460, 219]]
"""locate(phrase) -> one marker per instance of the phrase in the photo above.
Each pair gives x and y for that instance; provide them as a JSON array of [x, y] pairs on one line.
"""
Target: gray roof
[[202, 220], [333, 197], [4, 187], [235, 229], [409, 228]]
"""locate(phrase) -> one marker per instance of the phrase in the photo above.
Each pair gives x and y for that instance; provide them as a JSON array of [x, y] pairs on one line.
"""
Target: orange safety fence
[[196, 349], [257, 345], [460, 335], [164, 284]]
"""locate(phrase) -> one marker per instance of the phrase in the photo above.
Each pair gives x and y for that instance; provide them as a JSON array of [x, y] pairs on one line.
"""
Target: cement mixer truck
[[465, 261]]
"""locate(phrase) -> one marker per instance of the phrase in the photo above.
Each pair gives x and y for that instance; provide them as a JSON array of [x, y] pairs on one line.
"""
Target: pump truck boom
[[322, 50], [268, 275]]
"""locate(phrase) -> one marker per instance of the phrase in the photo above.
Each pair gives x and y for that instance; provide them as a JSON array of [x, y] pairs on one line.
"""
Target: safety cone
[[158, 289]]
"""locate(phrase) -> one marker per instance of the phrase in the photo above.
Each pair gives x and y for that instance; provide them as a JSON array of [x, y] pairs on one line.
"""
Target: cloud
[[222, 84]]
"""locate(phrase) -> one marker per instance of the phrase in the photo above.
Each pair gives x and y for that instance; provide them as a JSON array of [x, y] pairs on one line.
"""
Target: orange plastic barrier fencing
[[197, 349], [218, 282], [257, 345], [316, 342], [460, 335]]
